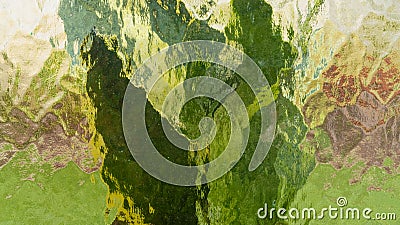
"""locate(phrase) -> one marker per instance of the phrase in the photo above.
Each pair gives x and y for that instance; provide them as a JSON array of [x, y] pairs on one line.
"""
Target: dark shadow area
[[106, 86]]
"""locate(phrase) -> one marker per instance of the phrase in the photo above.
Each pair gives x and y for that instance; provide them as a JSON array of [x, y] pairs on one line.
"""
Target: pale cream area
[[18, 16], [217, 12], [347, 16], [28, 28], [200, 9], [336, 23], [221, 16], [28, 55], [38, 18]]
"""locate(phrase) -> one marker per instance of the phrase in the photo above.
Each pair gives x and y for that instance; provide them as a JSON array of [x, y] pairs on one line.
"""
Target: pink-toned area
[[384, 79], [363, 84], [346, 77], [367, 131], [53, 144]]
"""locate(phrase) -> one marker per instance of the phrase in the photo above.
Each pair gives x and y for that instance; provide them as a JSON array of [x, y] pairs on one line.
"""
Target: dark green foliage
[[106, 87], [165, 21], [252, 26]]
